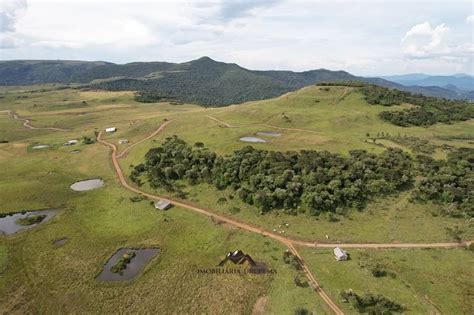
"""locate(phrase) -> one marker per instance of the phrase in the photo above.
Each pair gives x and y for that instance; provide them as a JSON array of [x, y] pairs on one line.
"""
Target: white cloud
[[470, 19], [422, 40], [10, 11]]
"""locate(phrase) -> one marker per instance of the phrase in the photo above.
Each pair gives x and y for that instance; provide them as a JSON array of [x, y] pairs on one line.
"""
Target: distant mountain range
[[456, 82], [203, 81]]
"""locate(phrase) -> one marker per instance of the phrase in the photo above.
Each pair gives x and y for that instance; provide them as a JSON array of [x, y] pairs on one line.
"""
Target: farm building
[[71, 142], [162, 205], [340, 254], [123, 141], [110, 129]]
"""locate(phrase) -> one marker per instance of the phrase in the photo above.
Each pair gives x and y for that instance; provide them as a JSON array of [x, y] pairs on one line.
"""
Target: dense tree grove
[[429, 110], [449, 182], [320, 181]]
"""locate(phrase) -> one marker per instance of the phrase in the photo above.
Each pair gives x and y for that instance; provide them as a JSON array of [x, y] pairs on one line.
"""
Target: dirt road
[[261, 124], [26, 122], [157, 131]]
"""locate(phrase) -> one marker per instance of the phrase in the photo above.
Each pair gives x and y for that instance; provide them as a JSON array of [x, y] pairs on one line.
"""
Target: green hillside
[[203, 81]]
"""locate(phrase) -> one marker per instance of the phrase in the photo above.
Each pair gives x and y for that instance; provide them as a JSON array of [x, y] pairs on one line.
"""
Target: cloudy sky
[[362, 37]]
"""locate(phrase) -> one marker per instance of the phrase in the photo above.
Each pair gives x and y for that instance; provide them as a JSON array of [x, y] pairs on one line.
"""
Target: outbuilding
[[162, 205], [340, 254], [110, 129], [72, 142]]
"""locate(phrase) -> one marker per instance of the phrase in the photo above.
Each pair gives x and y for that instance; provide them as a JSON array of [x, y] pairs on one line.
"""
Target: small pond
[[60, 242], [133, 269], [89, 184], [41, 146], [9, 226], [252, 139], [269, 134]]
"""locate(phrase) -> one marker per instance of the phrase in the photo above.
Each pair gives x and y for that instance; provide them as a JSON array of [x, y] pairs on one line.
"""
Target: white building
[[340, 254], [110, 130], [72, 142], [162, 205]]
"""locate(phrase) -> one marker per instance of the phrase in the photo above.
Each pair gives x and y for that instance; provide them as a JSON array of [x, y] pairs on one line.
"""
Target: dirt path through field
[[26, 122]]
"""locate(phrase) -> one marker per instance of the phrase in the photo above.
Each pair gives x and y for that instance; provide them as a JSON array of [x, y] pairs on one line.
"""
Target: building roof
[[110, 129], [162, 204], [339, 252]]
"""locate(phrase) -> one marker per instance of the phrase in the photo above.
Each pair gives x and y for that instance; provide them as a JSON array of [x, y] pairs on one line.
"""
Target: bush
[[289, 258], [122, 263], [301, 283], [87, 140], [32, 219]]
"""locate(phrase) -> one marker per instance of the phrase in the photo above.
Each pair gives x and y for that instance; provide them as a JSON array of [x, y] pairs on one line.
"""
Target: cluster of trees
[[152, 97], [448, 182], [371, 303], [320, 181], [429, 110]]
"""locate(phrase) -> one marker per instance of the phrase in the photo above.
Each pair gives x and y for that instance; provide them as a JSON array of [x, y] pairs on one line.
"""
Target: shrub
[[122, 263], [32, 219]]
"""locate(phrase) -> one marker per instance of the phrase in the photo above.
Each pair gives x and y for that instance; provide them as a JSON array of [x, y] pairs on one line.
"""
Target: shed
[[340, 254], [123, 141], [162, 205], [71, 142], [110, 129]]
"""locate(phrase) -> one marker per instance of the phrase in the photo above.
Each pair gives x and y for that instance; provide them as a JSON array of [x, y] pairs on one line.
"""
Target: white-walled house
[[340, 254]]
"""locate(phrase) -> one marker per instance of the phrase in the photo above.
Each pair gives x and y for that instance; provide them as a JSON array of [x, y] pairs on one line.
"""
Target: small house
[[340, 254], [162, 205], [123, 141], [110, 130]]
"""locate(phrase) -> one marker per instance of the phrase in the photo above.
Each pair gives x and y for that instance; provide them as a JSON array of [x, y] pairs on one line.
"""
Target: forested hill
[[203, 81]]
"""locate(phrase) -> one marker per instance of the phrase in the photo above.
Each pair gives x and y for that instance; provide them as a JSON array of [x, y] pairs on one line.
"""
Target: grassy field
[[39, 277], [425, 281]]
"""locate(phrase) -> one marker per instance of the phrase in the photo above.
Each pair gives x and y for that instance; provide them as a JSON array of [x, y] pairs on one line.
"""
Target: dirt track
[[290, 243], [26, 122]]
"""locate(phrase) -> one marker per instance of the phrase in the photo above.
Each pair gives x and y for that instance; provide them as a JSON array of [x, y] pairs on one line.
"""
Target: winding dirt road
[[157, 131], [26, 122], [288, 242]]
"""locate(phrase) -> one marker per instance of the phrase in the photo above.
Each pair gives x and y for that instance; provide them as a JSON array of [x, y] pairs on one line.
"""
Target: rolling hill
[[203, 81]]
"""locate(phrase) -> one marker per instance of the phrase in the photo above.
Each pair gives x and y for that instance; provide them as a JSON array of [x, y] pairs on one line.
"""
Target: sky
[[370, 38]]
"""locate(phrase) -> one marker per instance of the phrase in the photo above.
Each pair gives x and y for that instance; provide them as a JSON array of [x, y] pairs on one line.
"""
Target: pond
[[251, 139], [269, 134], [9, 225], [88, 184], [134, 267], [41, 146]]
